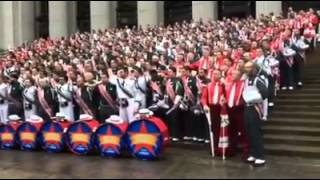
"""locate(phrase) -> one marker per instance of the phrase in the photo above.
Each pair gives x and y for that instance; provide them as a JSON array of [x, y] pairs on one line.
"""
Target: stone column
[[207, 10], [266, 7], [58, 19], [24, 21], [101, 14], [150, 13], [72, 16], [7, 20]]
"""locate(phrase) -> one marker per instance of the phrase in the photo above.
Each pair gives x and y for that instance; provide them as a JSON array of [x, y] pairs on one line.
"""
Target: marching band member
[[64, 92], [29, 98], [105, 97], [191, 99], [15, 95], [126, 93], [255, 91], [300, 47], [45, 100], [140, 83], [82, 95], [175, 94], [212, 98], [235, 103], [4, 104]]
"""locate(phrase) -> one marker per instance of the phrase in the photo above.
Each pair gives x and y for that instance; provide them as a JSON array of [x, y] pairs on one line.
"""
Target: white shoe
[[259, 162], [265, 118], [207, 141], [200, 140], [175, 139], [186, 138], [251, 159], [300, 83], [284, 88], [194, 139], [291, 88], [271, 104]]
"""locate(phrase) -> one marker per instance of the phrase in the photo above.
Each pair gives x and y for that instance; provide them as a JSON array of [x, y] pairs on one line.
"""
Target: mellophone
[[144, 138]]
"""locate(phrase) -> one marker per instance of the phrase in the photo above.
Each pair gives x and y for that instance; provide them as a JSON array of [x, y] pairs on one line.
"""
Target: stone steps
[[293, 150], [291, 130], [300, 140], [300, 122]]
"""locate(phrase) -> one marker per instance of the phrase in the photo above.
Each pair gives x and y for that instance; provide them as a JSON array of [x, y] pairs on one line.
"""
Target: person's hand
[[222, 101], [206, 108]]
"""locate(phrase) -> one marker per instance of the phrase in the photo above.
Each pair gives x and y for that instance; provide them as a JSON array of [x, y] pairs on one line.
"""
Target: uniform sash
[[170, 90], [105, 94], [187, 90], [81, 103], [43, 102]]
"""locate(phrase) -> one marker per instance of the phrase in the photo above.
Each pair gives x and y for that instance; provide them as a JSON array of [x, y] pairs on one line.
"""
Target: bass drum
[[109, 139], [52, 136], [79, 137], [27, 136], [146, 138], [8, 134]]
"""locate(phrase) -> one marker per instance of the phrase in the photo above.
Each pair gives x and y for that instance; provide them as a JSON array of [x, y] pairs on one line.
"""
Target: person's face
[[136, 73], [122, 74], [236, 75], [259, 52], [217, 75], [88, 77], [202, 73], [35, 72], [43, 83], [171, 73], [249, 68], [80, 81], [206, 52], [179, 58], [227, 62], [27, 83], [104, 79], [61, 80]]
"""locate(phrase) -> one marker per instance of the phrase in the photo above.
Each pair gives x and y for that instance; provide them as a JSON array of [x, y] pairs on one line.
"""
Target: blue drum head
[[27, 137], [144, 140], [79, 138], [7, 137], [109, 140], [51, 137]]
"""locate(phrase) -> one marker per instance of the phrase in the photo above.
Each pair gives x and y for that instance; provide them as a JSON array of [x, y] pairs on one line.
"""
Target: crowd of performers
[[179, 71]]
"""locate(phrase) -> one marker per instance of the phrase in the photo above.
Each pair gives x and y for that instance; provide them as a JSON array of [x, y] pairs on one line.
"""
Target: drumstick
[[208, 115]]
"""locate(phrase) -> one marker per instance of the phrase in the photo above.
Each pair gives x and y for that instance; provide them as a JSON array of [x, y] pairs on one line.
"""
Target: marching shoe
[[271, 104], [259, 162], [284, 88], [207, 141], [194, 139], [200, 140], [300, 84], [175, 139], [251, 159], [291, 88], [187, 138]]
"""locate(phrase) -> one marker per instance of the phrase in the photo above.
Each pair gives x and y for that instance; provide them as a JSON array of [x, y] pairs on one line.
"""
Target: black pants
[[253, 128], [105, 112], [189, 122], [175, 123], [201, 127], [16, 109], [298, 68], [271, 88], [286, 71]]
